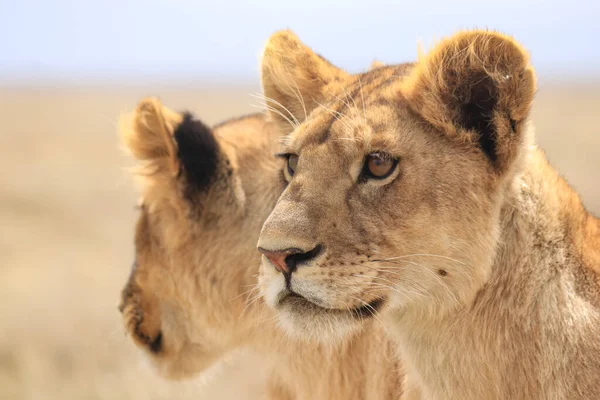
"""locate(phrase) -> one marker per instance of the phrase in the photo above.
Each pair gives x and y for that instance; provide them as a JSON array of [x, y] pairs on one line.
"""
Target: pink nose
[[278, 257]]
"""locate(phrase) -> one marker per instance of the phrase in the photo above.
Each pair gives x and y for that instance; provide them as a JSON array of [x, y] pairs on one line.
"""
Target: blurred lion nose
[[287, 260]]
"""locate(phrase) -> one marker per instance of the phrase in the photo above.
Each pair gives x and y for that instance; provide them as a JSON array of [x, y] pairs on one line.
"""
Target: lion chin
[[307, 321], [303, 317]]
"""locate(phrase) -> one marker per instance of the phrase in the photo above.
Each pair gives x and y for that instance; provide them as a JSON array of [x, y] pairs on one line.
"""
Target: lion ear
[[172, 144], [294, 78], [476, 84], [149, 134]]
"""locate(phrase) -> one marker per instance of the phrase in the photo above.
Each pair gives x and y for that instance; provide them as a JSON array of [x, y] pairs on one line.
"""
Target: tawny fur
[[487, 263], [192, 296]]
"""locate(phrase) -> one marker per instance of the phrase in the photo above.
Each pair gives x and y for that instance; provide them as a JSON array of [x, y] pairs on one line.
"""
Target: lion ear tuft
[[476, 83]]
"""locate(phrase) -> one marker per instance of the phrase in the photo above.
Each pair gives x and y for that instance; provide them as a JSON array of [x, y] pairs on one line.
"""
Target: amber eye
[[292, 163], [379, 165]]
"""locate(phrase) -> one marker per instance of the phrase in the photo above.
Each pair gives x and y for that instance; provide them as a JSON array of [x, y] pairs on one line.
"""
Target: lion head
[[202, 206], [395, 179]]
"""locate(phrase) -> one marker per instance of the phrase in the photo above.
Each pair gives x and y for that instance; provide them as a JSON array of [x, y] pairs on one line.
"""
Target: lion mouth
[[297, 301]]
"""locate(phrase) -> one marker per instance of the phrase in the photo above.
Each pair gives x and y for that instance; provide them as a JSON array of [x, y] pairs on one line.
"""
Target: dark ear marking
[[198, 152], [478, 85], [479, 102]]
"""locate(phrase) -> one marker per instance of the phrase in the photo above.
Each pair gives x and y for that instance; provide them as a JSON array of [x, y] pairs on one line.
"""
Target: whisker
[[373, 312], [268, 319], [363, 99], [380, 285], [254, 300], [343, 101], [352, 310], [419, 255], [436, 278], [394, 284], [298, 95], [254, 287], [397, 264], [271, 100], [276, 111], [348, 96], [333, 113]]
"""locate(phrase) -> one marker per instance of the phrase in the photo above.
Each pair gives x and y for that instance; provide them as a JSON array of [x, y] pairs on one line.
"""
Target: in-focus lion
[[191, 296], [423, 196]]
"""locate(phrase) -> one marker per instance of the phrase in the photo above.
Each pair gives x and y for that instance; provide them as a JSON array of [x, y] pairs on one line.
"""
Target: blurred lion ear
[[149, 134], [171, 144], [477, 85], [294, 78]]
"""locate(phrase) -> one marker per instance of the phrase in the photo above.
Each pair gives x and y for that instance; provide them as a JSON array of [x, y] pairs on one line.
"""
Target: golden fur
[[192, 294], [478, 255]]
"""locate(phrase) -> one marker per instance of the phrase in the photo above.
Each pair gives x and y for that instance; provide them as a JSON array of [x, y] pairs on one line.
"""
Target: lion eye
[[292, 163], [379, 165]]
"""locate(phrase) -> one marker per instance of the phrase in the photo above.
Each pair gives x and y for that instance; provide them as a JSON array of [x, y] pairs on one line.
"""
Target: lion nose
[[277, 257], [287, 260]]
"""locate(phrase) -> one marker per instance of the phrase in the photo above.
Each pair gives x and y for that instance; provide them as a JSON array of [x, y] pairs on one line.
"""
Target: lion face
[[203, 204], [395, 181]]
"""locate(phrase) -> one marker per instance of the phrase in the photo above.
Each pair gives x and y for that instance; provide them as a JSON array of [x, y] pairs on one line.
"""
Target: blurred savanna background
[[69, 69]]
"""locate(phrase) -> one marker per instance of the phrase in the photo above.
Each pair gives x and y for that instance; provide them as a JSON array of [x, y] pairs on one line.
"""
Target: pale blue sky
[[184, 39]]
